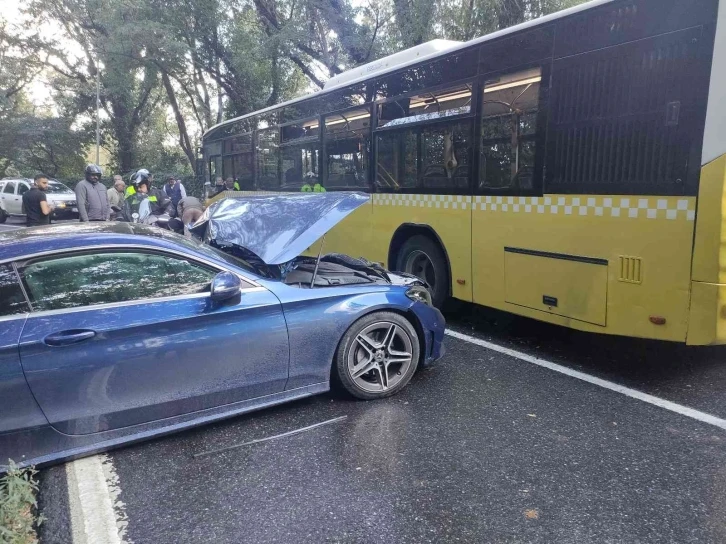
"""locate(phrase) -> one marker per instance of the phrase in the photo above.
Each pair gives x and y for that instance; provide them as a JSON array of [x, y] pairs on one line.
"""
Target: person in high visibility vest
[[312, 185], [133, 180], [141, 201]]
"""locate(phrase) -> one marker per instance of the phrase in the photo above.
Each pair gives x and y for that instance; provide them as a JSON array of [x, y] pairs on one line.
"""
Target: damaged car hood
[[276, 228]]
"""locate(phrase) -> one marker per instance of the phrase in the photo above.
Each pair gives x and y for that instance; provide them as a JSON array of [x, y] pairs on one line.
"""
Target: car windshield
[[57, 187]]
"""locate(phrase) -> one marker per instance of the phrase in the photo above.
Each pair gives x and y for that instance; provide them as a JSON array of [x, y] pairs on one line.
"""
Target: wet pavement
[[483, 447]]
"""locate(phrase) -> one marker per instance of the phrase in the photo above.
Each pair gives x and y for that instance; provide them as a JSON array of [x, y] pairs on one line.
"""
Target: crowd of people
[[139, 202]]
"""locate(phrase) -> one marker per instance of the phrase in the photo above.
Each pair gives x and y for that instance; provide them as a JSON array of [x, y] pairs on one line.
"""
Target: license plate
[[61, 205]]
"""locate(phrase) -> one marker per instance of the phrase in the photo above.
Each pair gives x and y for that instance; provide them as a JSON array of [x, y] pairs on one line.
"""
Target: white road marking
[[617, 388], [97, 516]]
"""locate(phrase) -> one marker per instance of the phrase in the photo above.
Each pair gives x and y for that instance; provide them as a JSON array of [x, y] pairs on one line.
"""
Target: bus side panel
[[645, 277], [707, 323], [352, 235], [448, 215]]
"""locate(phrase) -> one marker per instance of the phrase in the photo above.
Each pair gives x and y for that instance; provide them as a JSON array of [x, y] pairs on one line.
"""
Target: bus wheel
[[425, 259]]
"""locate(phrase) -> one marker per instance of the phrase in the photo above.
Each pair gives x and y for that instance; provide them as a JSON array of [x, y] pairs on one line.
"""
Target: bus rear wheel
[[425, 259]]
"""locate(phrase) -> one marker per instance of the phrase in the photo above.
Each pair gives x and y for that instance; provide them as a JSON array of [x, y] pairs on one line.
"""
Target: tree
[[108, 36]]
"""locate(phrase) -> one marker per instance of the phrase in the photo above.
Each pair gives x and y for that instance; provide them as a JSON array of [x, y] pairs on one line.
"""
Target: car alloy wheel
[[379, 355]]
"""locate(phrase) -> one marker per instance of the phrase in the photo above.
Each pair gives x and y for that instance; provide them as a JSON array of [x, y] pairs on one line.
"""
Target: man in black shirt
[[36, 207]]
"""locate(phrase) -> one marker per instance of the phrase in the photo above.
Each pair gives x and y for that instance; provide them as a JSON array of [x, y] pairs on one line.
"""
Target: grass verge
[[18, 506]]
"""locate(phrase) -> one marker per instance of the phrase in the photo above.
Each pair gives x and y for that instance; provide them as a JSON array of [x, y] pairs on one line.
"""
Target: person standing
[[36, 207], [175, 191], [116, 196], [92, 197]]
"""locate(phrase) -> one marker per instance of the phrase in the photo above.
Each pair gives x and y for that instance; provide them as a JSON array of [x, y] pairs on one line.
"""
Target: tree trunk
[[184, 140]]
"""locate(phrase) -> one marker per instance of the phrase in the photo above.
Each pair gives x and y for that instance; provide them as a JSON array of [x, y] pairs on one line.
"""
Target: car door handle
[[65, 338]]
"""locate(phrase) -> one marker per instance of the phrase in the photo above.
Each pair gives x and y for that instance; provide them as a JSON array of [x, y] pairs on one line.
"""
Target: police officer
[[312, 185]]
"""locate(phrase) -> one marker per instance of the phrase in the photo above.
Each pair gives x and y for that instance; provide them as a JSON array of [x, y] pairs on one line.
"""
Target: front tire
[[425, 259], [377, 356]]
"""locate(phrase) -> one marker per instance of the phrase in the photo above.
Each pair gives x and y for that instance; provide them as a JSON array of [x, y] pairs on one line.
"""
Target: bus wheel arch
[[410, 238]]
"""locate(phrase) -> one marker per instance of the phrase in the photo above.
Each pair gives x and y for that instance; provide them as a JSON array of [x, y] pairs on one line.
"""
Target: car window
[[90, 279], [22, 188], [9, 188], [12, 299], [58, 187]]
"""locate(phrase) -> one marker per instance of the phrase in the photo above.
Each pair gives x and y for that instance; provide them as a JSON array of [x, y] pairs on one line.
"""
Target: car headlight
[[418, 293]]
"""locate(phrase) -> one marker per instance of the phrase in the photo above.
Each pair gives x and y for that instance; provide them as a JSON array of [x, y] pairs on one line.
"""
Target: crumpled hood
[[277, 228]]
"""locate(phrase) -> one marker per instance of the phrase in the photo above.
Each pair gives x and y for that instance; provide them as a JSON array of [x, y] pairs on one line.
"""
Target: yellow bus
[[571, 169]]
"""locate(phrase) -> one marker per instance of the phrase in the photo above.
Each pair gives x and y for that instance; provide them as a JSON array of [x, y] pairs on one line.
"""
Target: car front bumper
[[433, 324]]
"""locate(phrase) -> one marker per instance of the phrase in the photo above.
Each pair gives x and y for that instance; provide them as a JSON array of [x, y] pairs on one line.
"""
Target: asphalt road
[[483, 447]]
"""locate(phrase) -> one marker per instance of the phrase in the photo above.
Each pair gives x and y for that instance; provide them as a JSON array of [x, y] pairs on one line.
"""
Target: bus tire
[[422, 257]]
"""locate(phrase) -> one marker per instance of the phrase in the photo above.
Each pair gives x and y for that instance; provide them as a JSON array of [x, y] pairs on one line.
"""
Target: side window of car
[[22, 188], [12, 299], [9, 188], [89, 279]]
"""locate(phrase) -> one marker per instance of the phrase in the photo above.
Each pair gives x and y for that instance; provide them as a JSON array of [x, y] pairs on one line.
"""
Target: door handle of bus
[[66, 338]]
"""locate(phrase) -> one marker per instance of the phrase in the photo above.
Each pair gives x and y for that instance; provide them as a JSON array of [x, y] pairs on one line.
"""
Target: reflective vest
[[130, 191], [317, 188], [135, 200], [236, 186]]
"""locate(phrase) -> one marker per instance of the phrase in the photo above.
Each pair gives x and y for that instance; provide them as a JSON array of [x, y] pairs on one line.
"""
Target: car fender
[[317, 319]]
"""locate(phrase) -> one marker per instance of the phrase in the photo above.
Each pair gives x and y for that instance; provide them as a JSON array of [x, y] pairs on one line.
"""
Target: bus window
[[215, 168], [436, 157], [300, 166], [268, 155], [300, 151], [508, 131], [426, 106], [240, 150], [397, 161], [242, 165], [445, 152], [347, 145]]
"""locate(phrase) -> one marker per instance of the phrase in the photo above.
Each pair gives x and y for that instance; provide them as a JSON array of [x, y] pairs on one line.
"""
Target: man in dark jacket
[[36, 207], [91, 196]]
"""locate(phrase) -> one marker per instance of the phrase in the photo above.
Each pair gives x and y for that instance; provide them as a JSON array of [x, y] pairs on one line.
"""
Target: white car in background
[[11, 198]]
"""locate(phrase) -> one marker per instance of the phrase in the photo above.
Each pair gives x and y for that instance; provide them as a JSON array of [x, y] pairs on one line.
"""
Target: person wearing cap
[[92, 197]]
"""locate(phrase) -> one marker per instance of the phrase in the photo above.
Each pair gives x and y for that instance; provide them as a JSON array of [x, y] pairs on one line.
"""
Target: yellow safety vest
[[317, 188]]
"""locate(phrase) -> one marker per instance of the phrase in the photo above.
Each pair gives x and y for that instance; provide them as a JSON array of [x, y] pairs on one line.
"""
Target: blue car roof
[[17, 243]]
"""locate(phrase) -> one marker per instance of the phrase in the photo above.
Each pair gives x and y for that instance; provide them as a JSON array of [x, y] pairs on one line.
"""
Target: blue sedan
[[116, 332]]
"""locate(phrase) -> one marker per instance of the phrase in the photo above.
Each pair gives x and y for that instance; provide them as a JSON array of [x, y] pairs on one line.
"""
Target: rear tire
[[425, 259], [3, 216], [377, 356]]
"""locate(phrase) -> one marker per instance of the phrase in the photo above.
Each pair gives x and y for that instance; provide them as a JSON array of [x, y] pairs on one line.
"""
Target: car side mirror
[[225, 285]]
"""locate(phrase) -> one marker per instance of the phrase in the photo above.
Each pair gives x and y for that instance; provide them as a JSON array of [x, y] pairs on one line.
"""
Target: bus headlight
[[419, 293]]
